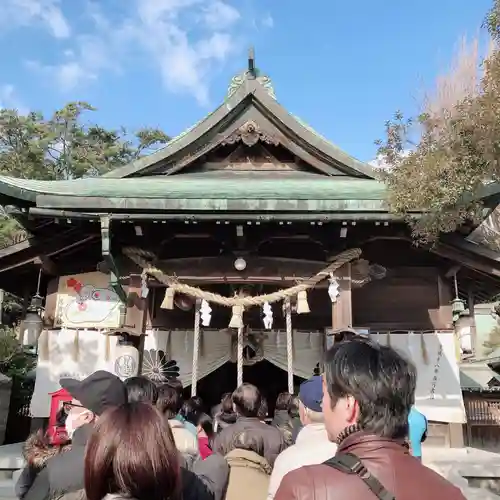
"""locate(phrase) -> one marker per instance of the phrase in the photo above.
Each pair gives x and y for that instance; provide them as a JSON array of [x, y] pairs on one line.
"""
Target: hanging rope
[[145, 258], [289, 344], [196, 348], [76, 345], [239, 365]]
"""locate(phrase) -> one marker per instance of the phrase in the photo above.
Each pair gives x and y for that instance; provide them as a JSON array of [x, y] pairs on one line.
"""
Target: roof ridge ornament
[[251, 73]]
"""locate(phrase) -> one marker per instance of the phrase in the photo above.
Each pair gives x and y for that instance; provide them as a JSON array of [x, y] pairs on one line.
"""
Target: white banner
[[215, 350], [62, 362], [438, 395], [307, 348]]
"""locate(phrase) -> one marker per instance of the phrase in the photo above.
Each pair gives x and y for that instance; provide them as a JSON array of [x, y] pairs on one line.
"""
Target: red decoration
[[57, 430], [76, 285]]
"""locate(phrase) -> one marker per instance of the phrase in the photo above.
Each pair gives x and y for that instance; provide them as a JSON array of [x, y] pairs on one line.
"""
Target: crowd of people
[[345, 435]]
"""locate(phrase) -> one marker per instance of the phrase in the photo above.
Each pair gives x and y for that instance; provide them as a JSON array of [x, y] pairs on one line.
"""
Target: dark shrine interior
[[270, 380]]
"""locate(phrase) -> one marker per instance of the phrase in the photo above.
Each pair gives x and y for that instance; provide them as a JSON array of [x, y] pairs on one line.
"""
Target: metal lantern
[[126, 359], [457, 308], [32, 324]]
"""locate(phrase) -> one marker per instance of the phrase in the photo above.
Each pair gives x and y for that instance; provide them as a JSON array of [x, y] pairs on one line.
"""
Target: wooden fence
[[483, 419]]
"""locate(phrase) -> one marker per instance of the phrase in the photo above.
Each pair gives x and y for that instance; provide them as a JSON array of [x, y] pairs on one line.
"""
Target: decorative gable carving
[[250, 134]]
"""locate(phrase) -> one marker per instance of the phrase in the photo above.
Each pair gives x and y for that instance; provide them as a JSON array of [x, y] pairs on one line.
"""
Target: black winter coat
[[64, 472]]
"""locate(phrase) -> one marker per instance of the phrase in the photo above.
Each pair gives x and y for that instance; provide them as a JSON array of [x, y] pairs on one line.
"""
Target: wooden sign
[[87, 301]]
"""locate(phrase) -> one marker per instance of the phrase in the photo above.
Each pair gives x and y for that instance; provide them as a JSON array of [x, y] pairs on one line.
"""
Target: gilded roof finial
[[251, 63]]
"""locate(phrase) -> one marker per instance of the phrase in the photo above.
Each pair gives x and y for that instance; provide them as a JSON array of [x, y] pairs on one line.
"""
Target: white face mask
[[70, 425], [72, 422]]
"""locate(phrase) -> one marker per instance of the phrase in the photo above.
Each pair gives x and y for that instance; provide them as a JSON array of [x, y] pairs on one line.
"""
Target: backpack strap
[[351, 464]]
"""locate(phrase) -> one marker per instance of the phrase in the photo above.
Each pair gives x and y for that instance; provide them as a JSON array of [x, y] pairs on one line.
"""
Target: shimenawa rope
[[145, 259]]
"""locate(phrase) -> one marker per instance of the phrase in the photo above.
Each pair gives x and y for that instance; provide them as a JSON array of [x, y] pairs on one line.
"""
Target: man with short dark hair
[[368, 391], [247, 402], [91, 397]]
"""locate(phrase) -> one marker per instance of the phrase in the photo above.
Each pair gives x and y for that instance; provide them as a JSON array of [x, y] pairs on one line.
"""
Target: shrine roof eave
[[248, 214], [100, 191]]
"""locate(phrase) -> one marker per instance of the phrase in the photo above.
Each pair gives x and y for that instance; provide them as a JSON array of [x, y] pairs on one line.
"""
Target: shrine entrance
[[269, 379]]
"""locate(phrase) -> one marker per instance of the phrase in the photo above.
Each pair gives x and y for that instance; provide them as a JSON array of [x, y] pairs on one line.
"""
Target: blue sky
[[342, 66]]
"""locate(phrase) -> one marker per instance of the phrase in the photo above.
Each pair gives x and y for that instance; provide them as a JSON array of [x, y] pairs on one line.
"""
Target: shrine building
[[237, 250]]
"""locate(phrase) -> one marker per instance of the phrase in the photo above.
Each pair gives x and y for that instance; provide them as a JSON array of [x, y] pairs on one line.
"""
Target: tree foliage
[[492, 343], [457, 147], [15, 361], [64, 146]]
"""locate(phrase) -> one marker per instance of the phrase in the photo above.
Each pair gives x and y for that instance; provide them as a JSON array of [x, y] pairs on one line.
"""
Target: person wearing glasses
[[92, 396]]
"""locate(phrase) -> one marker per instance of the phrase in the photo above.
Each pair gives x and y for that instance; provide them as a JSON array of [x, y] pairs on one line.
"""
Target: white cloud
[[183, 39], [10, 100], [184, 59], [381, 164], [268, 21], [47, 13], [219, 15]]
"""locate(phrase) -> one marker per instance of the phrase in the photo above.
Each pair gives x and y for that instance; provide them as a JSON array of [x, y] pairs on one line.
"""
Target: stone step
[[7, 488]]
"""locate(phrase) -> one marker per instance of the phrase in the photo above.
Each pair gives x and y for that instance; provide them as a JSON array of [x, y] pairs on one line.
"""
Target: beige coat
[[249, 475], [311, 447]]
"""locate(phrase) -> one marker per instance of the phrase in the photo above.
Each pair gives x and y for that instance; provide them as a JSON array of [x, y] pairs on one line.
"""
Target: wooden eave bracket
[[47, 265], [108, 258]]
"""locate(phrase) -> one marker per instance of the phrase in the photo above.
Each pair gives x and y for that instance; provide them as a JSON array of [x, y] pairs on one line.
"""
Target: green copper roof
[[216, 185]]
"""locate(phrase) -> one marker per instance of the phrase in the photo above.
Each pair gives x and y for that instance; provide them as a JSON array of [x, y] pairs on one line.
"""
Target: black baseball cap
[[97, 392]]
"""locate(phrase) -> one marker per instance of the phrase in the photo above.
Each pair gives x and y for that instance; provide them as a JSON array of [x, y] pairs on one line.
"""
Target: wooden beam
[[342, 308], [108, 258], [49, 249], [47, 265], [222, 268], [452, 271], [467, 259]]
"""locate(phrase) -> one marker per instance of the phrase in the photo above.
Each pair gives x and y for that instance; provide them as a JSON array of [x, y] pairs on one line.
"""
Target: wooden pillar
[[445, 294], [476, 349], [136, 306], [49, 315], [342, 308]]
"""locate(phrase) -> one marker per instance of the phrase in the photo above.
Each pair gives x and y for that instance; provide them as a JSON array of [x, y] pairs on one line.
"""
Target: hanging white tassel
[[237, 317], [168, 300], [144, 286], [205, 313], [268, 315], [333, 289], [302, 305]]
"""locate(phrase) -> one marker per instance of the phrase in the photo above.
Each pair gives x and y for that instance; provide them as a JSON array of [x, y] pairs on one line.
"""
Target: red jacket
[[390, 462], [203, 445]]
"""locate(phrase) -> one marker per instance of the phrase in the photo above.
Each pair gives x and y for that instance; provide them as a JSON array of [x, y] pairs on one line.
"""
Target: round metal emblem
[[125, 366]]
